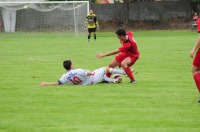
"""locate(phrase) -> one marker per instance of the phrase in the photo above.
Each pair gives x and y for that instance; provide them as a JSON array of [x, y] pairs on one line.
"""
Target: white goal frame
[[12, 12]]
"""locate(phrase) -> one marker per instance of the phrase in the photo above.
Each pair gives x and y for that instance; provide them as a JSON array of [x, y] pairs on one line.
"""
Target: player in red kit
[[128, 54], [198, 25], [195, 52]]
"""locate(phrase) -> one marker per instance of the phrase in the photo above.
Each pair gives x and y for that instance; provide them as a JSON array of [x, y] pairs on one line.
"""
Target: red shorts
[[121, 57], [196, 61]]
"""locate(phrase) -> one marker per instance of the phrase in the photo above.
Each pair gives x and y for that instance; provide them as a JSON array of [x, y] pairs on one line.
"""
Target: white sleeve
[[82, 72], [62, 80]]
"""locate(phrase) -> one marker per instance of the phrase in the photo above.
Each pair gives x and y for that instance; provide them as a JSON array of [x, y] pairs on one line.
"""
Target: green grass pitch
[[165, 98]]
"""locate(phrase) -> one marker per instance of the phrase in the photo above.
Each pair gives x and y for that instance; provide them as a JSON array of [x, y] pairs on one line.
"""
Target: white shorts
[[98, 75]]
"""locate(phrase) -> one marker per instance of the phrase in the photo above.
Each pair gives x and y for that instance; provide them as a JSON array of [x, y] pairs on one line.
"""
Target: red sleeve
[[129, 34]]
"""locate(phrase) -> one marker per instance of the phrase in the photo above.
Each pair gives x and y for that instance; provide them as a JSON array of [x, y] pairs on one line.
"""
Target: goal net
[[52, 16]]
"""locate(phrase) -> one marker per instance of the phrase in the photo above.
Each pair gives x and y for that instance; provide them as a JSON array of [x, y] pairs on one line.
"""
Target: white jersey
[[79, 76]]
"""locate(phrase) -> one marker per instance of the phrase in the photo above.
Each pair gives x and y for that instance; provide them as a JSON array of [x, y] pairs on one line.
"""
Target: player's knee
[[194, 70], [124, 65], [111, 65], [107, 69]]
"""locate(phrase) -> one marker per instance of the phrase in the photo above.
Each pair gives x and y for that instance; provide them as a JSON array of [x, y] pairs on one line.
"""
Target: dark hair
[[67, 64], [121, 32]]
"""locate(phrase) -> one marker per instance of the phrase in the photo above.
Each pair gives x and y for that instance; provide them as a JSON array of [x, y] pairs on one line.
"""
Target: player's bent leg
[[112, 80], [197, 80], [99, 76], [132, 70], [115, 71], [124, 64], [113, 64], [196, 75]]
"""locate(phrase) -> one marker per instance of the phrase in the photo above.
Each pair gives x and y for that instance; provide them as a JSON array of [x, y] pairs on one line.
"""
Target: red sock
[[108, 74], [197, 80], [129, 73]]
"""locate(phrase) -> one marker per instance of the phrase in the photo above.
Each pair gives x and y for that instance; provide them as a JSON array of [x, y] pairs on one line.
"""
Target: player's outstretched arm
[[195, 48], [108, 54], [48, 83]]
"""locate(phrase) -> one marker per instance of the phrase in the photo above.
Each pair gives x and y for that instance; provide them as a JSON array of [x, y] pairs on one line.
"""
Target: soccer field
[[165, 98]]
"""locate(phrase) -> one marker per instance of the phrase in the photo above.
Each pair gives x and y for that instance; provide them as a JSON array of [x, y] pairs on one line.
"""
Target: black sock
[[88, 37], [95, 37]]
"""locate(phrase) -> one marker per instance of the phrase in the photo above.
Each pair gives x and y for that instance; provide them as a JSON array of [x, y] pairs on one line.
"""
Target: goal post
[[48, 16]]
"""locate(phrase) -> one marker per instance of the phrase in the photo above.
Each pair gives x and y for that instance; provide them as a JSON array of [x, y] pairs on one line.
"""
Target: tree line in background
[[193, 3]]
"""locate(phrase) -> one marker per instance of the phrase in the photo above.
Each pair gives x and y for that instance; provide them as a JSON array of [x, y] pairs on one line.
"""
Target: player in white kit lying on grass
[[85, 77]]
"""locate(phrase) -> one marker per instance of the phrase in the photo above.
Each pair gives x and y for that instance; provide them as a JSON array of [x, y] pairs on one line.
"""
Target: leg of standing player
[[195, 71], [95, 37], [94, 32], [114, 71], [89, 34], [125, 64]]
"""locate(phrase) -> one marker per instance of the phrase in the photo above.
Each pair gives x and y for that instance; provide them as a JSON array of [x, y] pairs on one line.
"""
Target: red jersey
[[198, 50], [196, 61], [198, 25], [129, 47]]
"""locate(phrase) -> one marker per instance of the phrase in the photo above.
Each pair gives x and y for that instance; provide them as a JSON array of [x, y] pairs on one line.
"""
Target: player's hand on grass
[[99, 56], [43, 83]]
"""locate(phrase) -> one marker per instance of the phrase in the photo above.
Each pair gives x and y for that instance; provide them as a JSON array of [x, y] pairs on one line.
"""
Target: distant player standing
[[92, 24], [128, 54], [195, 52], [85, 77]]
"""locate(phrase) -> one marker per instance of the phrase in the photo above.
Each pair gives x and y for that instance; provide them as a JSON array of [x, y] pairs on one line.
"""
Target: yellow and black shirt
[[91, 21]]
